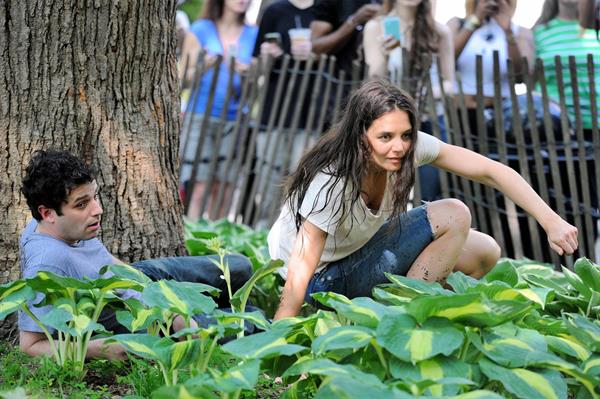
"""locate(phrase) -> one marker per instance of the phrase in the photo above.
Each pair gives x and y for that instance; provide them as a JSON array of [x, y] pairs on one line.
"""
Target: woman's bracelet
[[472, 23]]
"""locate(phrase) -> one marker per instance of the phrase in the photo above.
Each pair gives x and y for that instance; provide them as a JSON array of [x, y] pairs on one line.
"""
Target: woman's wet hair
[[344, 154]]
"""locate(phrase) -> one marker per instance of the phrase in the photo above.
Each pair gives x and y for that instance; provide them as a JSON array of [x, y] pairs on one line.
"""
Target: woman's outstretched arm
[[303, 262], [562, 236]]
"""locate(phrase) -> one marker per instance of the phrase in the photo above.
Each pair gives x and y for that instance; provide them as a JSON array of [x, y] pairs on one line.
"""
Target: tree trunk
[[97, 78]]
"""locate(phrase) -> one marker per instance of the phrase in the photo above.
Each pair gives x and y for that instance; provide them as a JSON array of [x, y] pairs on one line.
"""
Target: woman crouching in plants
[[344, 221]]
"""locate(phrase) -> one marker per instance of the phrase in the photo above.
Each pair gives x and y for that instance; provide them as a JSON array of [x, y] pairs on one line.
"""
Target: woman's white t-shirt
[[321, 206]]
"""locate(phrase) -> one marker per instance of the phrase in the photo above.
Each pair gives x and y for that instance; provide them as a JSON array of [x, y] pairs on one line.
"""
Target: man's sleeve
[[326, 11]]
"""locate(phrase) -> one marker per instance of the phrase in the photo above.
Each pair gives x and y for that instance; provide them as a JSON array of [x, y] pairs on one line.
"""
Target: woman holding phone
[[415, 20]]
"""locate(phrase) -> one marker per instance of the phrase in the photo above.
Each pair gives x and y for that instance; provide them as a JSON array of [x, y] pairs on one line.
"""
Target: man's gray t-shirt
[[41, 252]]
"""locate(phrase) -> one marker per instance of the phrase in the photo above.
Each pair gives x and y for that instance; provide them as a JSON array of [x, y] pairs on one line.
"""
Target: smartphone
[[273, 37], [391, 27]]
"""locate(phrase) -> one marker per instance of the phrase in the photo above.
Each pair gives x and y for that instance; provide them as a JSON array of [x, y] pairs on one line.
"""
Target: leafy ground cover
[[524, 331]]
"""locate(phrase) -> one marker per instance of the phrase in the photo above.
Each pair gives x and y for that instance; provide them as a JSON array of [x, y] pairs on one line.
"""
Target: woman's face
[[237, 6], [389, 138]]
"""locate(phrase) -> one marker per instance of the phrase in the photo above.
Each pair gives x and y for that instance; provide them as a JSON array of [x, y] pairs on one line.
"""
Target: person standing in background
[[337, 27], [273, 39], [221, 31], [488, 27], [557, 32]]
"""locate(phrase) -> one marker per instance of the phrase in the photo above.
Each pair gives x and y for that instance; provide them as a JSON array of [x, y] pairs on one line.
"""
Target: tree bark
[[97, 78]]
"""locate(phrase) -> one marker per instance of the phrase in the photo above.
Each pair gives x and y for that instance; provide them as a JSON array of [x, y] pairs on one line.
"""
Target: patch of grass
[[42, 378]]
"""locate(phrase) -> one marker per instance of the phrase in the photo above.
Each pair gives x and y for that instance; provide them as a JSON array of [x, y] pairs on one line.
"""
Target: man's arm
[[36, 344], [303, 262], [325, 39]]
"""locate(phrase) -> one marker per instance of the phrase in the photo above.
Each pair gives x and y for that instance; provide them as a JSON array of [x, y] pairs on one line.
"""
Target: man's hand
[[268, 48], [365, 13]]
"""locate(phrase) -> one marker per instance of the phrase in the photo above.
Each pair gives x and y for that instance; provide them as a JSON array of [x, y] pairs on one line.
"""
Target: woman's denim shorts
[[393, 249]]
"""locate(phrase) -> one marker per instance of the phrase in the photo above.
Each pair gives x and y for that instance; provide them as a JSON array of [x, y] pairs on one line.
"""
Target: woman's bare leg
[[478, 256], [451, 222]]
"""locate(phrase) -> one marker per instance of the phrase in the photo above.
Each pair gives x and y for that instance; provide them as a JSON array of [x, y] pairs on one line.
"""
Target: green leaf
[[401, 336], [577, 283], [438, 369], [184, 392], [592, 366], [461, 282], [587, 332], [126, 272], [412, 288], [478, 394], [326, 367], [385, 293], [176, 297], [525, 383], [137, 317], [545, 324], [240, 297], [14, 295], [345, 337], [469, 309], [349, 388], [568, 347], [512, 346], [171, 354], [197, 247], [242, 376], [46, 281], [256, 318], [588, 272], [504, 271], [267, 344], [362, 311], [588, 381]]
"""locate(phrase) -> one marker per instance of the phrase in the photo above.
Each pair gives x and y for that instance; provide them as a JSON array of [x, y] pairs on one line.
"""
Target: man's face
[[80, 219]]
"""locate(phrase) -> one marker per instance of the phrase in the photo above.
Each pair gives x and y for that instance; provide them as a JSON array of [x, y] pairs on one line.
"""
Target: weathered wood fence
[[285, 106]]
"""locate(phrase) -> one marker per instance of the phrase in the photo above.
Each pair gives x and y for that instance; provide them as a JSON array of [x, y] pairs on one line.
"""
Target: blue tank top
[[208, 37]]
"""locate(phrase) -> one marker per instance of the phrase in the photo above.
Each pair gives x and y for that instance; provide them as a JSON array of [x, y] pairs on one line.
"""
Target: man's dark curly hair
[[49, 178]]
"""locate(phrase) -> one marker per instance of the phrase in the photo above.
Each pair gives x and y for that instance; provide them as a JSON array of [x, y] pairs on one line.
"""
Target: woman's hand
[[388, 43], [503, 16], [562, 236], [485, 8]]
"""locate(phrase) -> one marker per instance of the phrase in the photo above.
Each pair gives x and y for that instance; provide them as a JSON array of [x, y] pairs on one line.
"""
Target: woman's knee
[[449, 215]]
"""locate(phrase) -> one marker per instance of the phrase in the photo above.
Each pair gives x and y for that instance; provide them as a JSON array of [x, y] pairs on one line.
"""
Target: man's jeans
[[199, 269]]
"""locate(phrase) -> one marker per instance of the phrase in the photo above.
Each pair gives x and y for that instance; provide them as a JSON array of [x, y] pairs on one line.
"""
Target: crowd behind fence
[[555, 155]]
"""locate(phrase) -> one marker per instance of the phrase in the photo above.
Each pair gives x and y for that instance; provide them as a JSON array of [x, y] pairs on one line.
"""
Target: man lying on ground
[[62, 194]]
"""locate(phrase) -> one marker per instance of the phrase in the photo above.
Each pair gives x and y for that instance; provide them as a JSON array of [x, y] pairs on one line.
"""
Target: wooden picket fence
[[556, 156]]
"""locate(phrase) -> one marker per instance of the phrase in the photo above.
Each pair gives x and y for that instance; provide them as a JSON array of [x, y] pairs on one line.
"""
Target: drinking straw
[[298, 22]]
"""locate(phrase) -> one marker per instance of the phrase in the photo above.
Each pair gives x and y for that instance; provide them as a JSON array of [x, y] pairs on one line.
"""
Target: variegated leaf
[[526, 384], [344, 337], [178, 298], [401, 336], [267, 344]]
